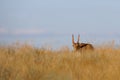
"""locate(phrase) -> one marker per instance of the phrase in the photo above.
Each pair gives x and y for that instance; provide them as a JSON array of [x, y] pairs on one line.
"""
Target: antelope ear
[[73, 39], [78, 38]]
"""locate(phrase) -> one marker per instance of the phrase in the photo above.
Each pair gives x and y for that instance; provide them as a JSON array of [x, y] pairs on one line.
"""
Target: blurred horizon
[[60, 40]]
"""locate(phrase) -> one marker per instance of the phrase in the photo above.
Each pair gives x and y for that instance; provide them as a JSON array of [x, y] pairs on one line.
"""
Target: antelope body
[[81, 46]]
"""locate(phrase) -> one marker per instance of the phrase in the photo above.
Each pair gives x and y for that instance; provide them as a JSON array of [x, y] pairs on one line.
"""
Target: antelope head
[[76, 46]]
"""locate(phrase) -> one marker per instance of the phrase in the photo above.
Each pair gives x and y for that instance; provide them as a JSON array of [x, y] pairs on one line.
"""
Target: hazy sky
[[60, 17]]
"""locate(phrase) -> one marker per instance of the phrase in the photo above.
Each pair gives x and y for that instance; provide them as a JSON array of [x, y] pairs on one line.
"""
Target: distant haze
[[53, 22]]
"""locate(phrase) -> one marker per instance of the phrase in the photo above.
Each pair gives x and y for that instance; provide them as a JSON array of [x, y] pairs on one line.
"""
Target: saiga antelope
[[81, 46]]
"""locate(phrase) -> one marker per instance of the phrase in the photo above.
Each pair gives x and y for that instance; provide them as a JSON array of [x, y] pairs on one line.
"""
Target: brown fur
[[81, 46]]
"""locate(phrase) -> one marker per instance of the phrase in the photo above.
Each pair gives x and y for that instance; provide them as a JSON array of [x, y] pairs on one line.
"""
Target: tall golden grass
[[25, 62]]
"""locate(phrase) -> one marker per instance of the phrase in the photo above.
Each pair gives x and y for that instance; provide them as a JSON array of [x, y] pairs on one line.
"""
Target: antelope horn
[[73, 39], [78, 38]]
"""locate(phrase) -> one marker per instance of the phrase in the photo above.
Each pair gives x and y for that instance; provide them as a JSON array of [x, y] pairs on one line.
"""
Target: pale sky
[[50, 19]]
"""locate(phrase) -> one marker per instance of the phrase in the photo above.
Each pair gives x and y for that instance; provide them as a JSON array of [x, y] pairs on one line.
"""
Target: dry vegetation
[[25, 62]]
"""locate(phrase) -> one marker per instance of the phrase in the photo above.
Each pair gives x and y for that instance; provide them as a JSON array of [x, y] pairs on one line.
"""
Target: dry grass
[[25, 62]]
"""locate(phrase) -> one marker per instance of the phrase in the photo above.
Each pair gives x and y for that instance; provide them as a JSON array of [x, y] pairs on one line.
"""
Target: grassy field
[[25, 62]]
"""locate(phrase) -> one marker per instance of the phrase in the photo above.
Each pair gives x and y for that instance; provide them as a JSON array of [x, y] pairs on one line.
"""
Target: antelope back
[[86, 47]]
